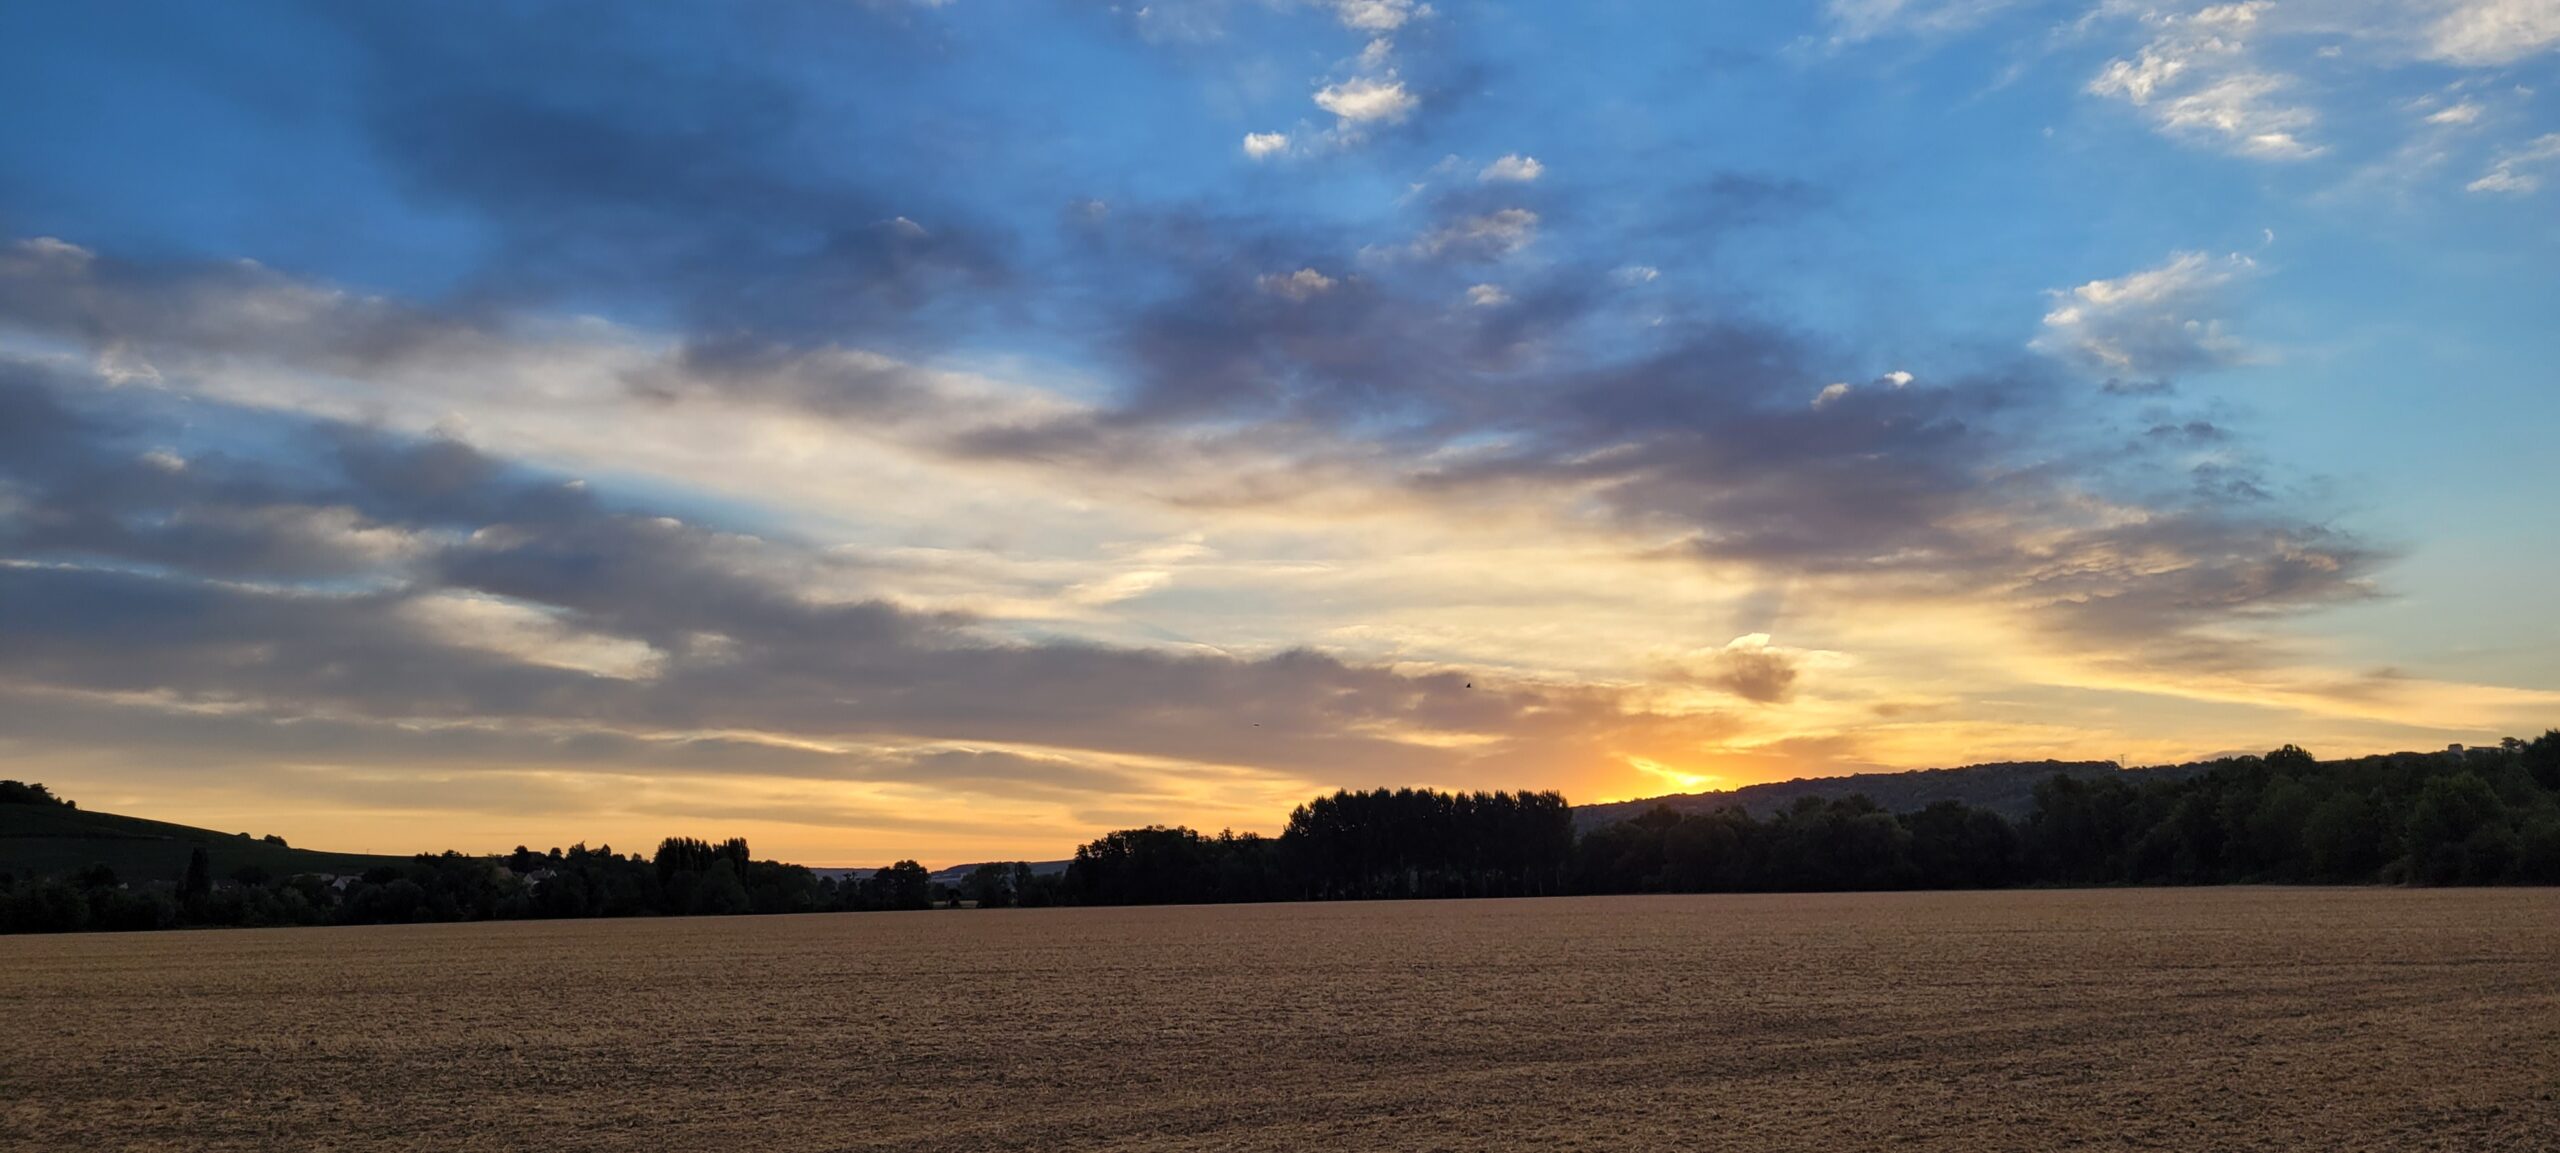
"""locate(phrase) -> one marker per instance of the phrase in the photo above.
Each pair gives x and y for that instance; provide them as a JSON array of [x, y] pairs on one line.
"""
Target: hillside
[[2007, 788], [958, 873], [41, 839]]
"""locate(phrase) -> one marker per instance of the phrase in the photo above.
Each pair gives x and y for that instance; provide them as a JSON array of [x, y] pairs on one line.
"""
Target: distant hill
[[41, 839], [958, 873], [952, 875], [2007, 788]]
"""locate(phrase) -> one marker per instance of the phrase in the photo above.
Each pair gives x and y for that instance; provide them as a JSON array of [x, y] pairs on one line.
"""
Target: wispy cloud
[[2159, 322], [2481, 33], [1853, 21], [1513, 168], [2198, 81], [2516, 171], [1378, 15], [667, 418]]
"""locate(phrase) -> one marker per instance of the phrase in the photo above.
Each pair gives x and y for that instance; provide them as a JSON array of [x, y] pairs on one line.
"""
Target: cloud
[[1240, 393], [1378, 15], [1748, 667], [2242, 112], [1838, 391], [1365, 100], [2487, 33], [1179, 22], [739, 429], [534, 604], [527, 634], [1485, 237], [2513, 172], [2232, 76], [2150, 324], [2198, 82], [1119, 587], [1853, 21], [1692, 459], [1513, 168], [604, 167], [1304, 284]]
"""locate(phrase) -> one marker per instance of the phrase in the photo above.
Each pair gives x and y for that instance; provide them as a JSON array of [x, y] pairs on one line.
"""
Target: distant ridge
[[950, 875], [2006, 787], [42, 839]]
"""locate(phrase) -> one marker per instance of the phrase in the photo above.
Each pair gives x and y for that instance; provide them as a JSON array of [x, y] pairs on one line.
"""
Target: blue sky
[[1730, 391]]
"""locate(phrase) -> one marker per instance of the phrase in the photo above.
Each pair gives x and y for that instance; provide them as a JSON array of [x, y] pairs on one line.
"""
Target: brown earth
[[2132, 1019]]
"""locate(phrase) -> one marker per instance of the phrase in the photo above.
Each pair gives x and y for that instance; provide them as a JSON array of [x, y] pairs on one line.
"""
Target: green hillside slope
[[38, 840]]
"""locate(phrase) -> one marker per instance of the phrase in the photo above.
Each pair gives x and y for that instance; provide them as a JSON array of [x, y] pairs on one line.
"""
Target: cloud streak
[[754, 446]]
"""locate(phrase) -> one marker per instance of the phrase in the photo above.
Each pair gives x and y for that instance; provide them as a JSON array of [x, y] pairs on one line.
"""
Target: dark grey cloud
[[825, 381], [1736, 434], [211, 309], [87, 483], [1752, 674], [734, 643], [1726, 436], [2193, 432], [763, 220], [1697, 218], [608, 166], [601, 165]]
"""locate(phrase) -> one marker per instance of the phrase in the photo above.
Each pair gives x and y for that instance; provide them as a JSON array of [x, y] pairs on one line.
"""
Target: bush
[[25, 793]]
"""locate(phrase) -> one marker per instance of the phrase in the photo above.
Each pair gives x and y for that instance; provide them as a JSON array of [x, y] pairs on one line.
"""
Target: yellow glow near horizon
[[1680, 780]]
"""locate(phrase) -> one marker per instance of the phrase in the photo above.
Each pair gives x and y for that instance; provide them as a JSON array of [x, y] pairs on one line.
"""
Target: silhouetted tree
[[2444, 830], [905, 885], [26, 793], [2462, 816], [2541, 759], [197, 884], [990, 886], [719, 892]]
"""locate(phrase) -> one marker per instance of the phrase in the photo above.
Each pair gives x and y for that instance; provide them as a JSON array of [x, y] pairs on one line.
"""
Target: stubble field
[[2195, 1019]]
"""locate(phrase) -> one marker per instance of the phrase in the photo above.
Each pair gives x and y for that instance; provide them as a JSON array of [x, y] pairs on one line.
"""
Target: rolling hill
[[2007, 788], [39, 839]]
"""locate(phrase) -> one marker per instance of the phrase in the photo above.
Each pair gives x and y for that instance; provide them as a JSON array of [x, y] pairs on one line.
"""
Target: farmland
[[2225, 1018]]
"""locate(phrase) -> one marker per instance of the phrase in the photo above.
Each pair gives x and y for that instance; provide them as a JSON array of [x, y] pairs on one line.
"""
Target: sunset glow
[[951, 430]]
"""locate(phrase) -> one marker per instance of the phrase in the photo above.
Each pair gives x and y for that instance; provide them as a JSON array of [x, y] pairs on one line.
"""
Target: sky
[[954, 430]]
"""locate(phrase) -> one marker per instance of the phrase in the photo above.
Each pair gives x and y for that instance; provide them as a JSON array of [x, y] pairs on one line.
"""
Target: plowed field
[[2130, 1019]]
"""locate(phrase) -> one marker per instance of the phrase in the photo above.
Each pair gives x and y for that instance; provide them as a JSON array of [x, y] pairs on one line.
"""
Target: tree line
[[684, 877], [2462, 817], [1347, 846], [2474, 817]]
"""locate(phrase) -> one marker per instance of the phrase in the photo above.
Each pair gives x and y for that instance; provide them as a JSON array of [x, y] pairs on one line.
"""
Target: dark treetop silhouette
[[2460, 817]]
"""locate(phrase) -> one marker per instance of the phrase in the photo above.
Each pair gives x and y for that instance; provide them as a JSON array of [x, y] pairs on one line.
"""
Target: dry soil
[[2131, 1019]]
